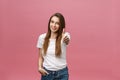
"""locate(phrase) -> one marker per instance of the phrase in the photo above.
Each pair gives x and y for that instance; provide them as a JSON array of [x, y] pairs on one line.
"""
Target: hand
[[66, 40], [43, 71]]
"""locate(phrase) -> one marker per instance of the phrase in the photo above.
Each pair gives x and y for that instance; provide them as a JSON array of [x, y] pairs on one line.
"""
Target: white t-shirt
[[51, 62]]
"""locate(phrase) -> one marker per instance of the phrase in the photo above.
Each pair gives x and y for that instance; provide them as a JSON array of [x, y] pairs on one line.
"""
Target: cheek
[[50, 24], [57, 26]]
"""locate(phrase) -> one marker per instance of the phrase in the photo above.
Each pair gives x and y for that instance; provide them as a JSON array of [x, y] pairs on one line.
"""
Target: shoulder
[[42, 35]]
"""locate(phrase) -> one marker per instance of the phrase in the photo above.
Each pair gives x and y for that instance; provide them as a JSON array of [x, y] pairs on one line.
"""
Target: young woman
[[52, 45]]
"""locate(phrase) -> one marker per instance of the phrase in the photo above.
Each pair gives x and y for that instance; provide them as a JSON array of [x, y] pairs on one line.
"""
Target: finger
[[43, 71], [46, 72], [66, 39]]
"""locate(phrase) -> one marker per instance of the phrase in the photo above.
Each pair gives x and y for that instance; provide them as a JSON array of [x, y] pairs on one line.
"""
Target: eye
[[52, 21], [57, 23]]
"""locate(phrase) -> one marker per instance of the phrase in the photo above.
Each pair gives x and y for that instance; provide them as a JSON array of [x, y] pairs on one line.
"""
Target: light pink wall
[[94, 50]]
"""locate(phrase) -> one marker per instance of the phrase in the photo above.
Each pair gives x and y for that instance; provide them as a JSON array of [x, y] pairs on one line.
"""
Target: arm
[[66, 38], [40, 63], [40, 59]]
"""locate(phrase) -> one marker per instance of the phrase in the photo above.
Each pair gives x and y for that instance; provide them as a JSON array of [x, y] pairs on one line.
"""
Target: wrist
[[40, 67]]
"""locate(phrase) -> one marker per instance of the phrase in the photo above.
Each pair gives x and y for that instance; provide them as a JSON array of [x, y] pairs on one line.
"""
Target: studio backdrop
[[94, 49]]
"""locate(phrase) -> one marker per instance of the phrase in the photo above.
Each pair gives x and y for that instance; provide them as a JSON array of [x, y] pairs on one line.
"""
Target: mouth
[[54, 28]]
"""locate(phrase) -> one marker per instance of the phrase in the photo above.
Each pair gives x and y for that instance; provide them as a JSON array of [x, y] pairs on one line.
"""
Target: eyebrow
[[53, 21]]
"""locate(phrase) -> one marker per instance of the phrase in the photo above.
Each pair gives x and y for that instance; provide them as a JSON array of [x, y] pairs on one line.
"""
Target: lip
[[54, 28]]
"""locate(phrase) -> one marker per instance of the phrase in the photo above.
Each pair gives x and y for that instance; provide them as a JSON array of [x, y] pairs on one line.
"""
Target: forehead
[[55, 18]]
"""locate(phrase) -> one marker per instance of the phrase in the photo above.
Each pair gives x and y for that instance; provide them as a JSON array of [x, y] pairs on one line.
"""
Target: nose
[[53, 24]]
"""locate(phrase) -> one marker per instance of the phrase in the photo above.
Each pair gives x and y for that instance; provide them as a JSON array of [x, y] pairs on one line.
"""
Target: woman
[[52, 50]]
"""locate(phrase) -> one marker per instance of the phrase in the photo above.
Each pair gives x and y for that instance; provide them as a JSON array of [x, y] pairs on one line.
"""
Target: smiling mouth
[[54, 28]]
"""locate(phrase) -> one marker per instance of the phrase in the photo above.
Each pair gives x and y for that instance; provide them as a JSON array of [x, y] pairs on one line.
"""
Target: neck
[[53, 35]]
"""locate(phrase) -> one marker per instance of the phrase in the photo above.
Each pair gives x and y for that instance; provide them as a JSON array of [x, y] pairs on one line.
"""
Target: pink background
[[94, 50]]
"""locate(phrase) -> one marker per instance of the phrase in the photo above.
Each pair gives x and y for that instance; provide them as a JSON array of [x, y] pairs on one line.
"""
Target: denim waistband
[[50, 71], [61, 74]]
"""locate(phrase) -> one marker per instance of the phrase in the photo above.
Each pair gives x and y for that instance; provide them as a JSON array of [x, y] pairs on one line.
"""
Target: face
[[54, 24]]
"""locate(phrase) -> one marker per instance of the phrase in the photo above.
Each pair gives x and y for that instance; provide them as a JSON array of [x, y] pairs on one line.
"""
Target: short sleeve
[[40, 41]]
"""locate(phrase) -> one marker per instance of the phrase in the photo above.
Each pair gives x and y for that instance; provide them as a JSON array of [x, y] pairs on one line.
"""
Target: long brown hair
[[59, 35]]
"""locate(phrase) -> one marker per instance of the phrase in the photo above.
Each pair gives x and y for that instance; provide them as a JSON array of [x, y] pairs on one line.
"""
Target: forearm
[[40, 63], [40, 60]]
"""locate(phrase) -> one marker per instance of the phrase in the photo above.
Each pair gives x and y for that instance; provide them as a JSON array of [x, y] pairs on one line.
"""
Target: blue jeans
[[56, 75]]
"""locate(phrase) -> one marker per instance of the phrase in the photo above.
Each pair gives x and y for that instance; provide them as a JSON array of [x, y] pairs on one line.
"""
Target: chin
[[54, 31]]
